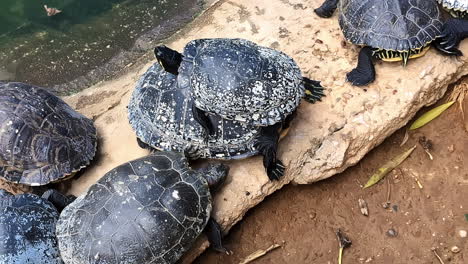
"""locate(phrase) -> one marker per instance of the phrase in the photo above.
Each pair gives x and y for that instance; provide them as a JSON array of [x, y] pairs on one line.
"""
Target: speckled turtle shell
[[457, 7], [149, 210], [27, 230], [240, 80], [160, 113], [399, 25], [42, 139]]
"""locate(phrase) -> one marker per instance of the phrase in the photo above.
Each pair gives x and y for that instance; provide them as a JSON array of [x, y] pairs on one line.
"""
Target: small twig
[[429, 154], [259, 253], [437, 255], [388, 190], [405, 138]]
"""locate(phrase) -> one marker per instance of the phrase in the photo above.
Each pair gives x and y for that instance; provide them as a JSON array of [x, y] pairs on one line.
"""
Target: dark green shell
[[42, 139], [27, 230], [400, 25], [149, 210], [160, 113]]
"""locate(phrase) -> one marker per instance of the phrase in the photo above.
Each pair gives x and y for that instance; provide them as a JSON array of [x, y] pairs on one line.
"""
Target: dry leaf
[[258, 253], [389, 166], [430, 115]]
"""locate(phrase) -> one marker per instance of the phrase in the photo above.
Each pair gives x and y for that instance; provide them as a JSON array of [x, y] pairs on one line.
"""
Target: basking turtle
[[149, 210], [42, 139], [239, 80], [160, 113], [27, 233], [457, 8], [392, 30]]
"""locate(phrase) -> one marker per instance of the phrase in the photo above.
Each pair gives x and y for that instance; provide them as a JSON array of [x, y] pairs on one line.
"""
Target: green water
[[69, 50]]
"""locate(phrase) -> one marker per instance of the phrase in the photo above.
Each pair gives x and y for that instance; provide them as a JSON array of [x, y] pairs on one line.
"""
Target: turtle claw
[[454, 31], [313, 90], [276, 171]]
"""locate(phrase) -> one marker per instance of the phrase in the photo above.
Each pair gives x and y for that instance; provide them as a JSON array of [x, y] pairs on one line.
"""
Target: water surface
[[88, 41]]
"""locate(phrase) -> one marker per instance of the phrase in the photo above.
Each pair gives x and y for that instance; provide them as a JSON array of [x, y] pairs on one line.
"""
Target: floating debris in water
[[51, 11]]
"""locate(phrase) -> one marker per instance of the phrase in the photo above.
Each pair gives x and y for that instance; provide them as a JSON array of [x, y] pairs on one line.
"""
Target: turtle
[[457, 8], [239, 80], [148, 210], [159, 111], [27, 233], [42, 139], [392, 30]]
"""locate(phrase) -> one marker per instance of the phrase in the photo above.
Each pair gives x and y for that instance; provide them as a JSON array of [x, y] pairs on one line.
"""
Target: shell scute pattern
[[27, 235], [42, 139], [262, 85], [390, 24], [160, 113], [149, 210]]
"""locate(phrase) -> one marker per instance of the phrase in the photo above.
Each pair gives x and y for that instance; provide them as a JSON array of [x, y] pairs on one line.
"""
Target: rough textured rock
[[325, 138]]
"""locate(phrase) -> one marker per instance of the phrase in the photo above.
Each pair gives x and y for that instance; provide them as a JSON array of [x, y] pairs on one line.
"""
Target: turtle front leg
[[364, 73], [327, 9], [168, 58], [313, 90], [59, 200], [202, 118], [214, 234], [267, 145], [453, 32]]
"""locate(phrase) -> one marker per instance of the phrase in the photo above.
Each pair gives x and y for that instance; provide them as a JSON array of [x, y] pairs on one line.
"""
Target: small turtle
[[42, 139], [149, 210], [27, 233], [160, 113], [457, 8], [239, 80], [392, 30]]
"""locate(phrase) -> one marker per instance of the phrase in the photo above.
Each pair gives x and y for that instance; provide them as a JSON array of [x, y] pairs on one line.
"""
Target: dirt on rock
[[304, 218]]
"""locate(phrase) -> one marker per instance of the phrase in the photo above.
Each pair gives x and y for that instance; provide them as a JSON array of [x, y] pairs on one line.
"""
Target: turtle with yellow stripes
[[390, 30]]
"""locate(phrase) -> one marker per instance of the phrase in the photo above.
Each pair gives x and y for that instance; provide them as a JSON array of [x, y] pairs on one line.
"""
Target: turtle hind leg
[[313, 90], [214, 234], [453, 32], [267, 145], [168, 58], [202, 118], [327, 9], [364, 73], [59, 200]]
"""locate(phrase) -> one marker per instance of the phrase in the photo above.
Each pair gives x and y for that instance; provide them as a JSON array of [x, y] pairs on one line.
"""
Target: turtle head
[[215, 174], [168, 58]]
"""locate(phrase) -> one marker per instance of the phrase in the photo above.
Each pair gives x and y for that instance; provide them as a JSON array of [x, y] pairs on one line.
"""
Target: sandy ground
[[304, 218]]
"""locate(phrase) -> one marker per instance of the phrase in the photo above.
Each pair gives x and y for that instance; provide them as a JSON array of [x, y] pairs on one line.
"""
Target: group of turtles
[[218, 99]]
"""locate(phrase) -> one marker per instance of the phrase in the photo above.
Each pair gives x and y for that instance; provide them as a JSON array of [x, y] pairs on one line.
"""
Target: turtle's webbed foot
[[327, 9], [214, 234], [453, 32], [364, 73], [276, 170], [359, 78], [267, 145], [313, 90]]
